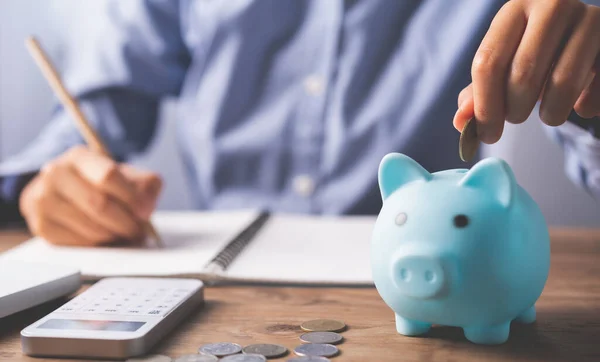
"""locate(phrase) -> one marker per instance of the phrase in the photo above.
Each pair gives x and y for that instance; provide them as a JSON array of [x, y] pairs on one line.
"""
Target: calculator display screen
[[91, 325]]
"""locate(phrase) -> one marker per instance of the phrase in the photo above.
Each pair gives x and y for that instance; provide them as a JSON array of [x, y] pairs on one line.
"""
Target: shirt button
[[314, 85], [304, 185]]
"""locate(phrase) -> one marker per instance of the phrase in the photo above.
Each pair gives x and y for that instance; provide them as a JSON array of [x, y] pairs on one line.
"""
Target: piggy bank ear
[[396, 170], [495, 177]]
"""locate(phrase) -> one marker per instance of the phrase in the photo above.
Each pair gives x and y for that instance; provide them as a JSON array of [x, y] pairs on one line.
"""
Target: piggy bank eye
[[461, 221], [401, 219]]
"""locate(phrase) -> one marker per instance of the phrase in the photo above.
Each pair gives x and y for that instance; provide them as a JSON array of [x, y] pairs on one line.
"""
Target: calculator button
[[67, 308], [110, 310], [158, 310], [136, 309], [170, 303], [116, 306], [155, 296], [73, 305]]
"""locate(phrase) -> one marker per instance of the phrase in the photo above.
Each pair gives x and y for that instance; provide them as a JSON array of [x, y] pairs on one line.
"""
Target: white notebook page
[[308, 249], [191, 240]]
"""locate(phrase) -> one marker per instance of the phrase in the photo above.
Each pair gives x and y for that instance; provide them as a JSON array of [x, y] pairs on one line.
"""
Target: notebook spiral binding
[[220, 262]]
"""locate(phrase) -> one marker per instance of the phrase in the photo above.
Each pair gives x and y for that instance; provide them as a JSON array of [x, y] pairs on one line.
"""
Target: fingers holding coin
[[534, 50]]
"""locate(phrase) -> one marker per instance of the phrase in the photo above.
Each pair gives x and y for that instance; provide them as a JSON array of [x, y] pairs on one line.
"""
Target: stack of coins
[[320, 340], [319, 343]]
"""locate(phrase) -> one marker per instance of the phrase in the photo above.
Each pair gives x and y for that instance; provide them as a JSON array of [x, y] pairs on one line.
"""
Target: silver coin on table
[[309, 359], [313, 349], [151, 358], [220, 349], [244, 358], [197, 358], [321, 337], [265, 349]]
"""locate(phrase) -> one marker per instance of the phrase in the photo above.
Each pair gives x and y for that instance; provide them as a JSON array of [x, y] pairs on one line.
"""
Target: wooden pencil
[[89, 134]]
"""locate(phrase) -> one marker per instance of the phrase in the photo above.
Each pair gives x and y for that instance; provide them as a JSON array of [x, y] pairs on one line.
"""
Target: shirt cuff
[[581, 145], [10, 190], [592, 125]]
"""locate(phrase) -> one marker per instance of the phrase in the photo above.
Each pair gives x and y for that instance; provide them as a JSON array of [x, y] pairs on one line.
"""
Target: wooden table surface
[[567, 329]]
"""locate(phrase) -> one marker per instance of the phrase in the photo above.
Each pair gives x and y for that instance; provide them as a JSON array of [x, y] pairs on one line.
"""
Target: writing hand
[[83, 198]]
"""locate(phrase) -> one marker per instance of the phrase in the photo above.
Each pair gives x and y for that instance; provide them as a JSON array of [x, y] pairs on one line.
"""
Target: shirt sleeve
[[580, 140], [10, 187], [119, 64]]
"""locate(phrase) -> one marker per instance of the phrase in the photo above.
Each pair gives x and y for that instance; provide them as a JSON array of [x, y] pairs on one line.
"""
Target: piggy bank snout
[[419, 276]]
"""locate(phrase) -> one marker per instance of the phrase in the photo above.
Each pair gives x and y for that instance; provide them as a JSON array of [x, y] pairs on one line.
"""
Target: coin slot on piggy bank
[[463, 248]]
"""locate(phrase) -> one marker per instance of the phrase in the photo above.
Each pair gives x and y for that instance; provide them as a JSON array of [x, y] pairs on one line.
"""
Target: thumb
[[466, 108]]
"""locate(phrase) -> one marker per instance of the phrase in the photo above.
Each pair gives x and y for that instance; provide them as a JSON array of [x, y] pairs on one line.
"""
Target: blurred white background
[[26, 101]]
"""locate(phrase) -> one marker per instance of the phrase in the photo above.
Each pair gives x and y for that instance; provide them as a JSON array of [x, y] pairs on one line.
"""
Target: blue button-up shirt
[[282, 104]]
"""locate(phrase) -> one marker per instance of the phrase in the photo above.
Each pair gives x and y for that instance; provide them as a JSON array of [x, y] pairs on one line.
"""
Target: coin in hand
[[313, 349], [220, 349], [321, 337], [323, 325], [267, 350], [468, 144]]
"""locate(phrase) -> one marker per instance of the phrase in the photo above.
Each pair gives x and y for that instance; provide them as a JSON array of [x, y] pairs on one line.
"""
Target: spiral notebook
[[236, 247]]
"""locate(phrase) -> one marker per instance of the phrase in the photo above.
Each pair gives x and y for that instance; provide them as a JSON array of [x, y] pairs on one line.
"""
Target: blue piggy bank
[[464, 248]]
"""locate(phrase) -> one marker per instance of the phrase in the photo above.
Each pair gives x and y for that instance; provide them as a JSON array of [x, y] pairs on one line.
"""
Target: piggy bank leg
[[410, 328], [495, 334], [527, 317]]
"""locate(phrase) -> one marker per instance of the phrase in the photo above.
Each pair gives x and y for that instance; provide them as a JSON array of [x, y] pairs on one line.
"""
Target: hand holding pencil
[[84, 197]]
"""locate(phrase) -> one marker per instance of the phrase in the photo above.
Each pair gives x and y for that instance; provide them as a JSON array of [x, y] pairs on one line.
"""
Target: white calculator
[[115, 318]]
